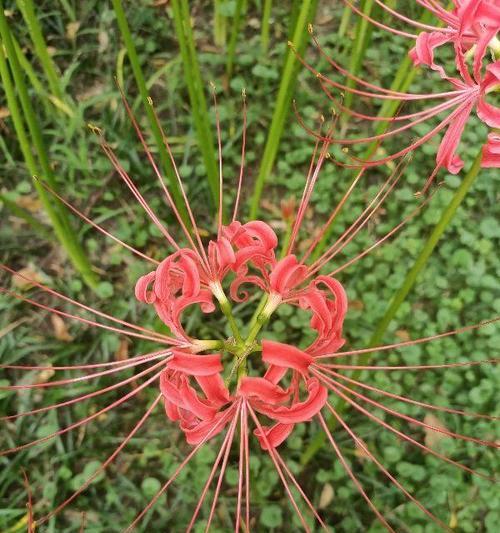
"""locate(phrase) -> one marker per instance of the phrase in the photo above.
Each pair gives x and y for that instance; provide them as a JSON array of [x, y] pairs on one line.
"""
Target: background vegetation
[[459, 286]]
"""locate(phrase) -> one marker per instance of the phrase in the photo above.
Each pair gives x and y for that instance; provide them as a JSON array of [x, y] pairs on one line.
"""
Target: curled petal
[[491, 152], [221, 256], [274, 435], [142, 291], [284, 355], [181, 394], [423, 51], [240, 280], [262, 390], [299, 411], [286, 274], [171, 410], [196, 431], [195, 365], [489, 113], [260, 234], [446, 155], [214, 389], [274, 374], [194, 404]]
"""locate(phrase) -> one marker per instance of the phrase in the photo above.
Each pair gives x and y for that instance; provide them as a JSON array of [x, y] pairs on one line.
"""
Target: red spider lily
[[248, 381], [472, 30]]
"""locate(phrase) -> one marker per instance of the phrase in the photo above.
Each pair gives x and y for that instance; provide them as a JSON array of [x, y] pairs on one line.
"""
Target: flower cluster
[[470, 30], [195, 392]]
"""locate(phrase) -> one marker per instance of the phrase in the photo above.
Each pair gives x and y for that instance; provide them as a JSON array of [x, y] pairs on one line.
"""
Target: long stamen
[[222, 471], [93, 224], [105, 464], [159, 176], [411, 343], [219, 151], [360, 222], [279, 470], [404, 436], [381, 467], [383, 94], [76, 303], [333, 216], [309, 185], [407, 418], [388, 235], [138, 359], [163, 340], [226, 445], [79, 398], [203, 257], [293, 479], [241, 464], [86, 420], [379, 24], [411, 367], [405, 398], [135, 191], [415, 23], [178, 470], [242, 163], [350, 473]]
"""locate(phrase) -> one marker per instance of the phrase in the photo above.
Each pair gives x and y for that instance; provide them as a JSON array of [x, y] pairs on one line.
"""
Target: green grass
[[458, 287]]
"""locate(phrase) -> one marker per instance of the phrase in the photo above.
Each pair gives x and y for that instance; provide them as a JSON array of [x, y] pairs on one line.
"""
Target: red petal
[[275, 435], [263, 390], [142, 292], [195, 365], [300, 411], [284, 355]]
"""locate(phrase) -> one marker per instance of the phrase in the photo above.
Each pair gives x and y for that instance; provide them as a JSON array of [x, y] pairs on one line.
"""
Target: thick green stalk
[[344, 21], [361, 42], [27, 8], [400, 296], [166, 163], [233, 39], [288, 80], [194, 82], [264, 27], [56, 211], [220, 24]]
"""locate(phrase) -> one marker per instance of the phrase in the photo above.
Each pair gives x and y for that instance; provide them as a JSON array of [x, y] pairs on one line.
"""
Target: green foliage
[[459, 286]]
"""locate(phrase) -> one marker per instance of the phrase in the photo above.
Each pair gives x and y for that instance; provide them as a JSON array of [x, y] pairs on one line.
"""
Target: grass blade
[[57, 213], [264, 27], [239, 9], [27, 9], [194, 83], [143, 91], [282, 107]]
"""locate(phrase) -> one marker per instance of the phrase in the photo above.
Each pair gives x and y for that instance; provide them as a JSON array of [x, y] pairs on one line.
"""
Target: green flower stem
[[220, 24], [27, 9], [288, 80], [56, 211], [143, 91], [264, 27], [362, 37], [344, 21], [400, 296], [194, 83], [233, 39], [227, 309]]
